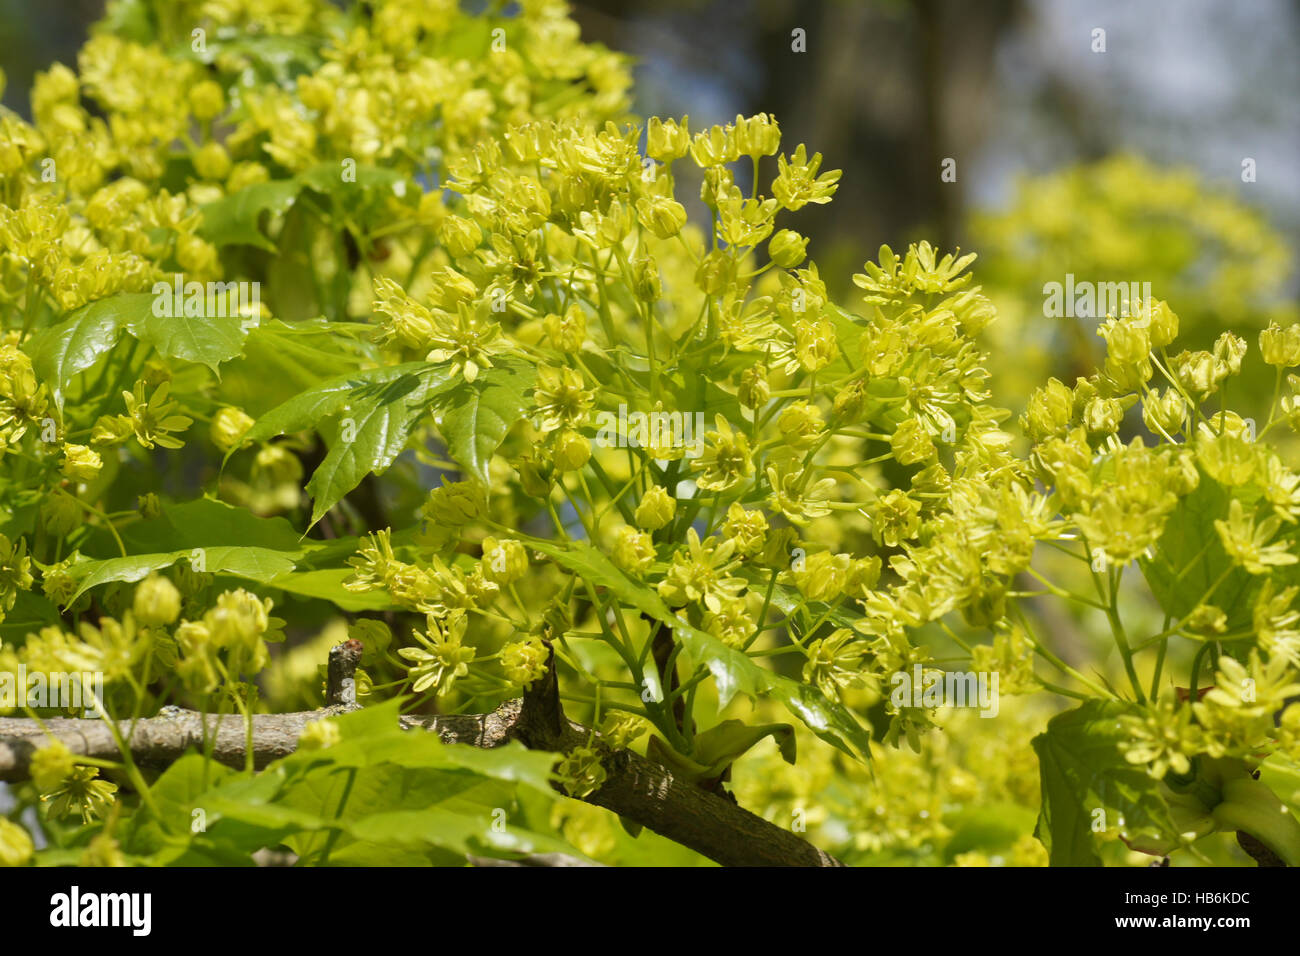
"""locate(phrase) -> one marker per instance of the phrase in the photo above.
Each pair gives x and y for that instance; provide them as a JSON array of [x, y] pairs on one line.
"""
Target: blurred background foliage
[[1116, 166]]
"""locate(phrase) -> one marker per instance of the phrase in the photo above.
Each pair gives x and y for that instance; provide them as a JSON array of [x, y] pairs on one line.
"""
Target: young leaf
[[327, 584], [1083, 771], [313, 406], [203, 339], [1189, 559], [235, 220], [374, 433], [62, 351], [476, 416], [30, 613], [254, 564], [280, 360], [207, 523]]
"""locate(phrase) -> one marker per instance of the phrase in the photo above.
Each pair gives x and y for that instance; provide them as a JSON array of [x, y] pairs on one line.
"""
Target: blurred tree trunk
[[885, 91]]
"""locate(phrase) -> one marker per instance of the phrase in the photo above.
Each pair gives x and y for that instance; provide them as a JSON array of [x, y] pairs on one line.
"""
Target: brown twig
[[635, 788]]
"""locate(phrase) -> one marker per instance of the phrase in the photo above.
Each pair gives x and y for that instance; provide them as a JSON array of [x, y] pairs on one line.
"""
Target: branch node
[[341, 682], [541, 722]]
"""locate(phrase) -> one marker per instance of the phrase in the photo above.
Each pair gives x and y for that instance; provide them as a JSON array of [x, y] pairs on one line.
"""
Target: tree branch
[[635, 788]]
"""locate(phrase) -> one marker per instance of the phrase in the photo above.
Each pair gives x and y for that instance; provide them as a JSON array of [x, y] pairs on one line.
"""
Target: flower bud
[[524, 662], [580, 772], [757, 136], [911, 443], [51, 765], [666, 141], [645, 279], [452, 288], [714, 147], [276, 465], [633, 551], [754, 389], [716, 185], [850, 401], [211, 161], [482, 591], [1199, 373], [715, 272], [60, 586], [239, 620], [16, 846], [567, 332], [228, 426], [621, 729], [1230, 350], [1164, 413], [157, 601], [246, 174], [1128, 363], [572, 450], [823, 576], [459, 236], [1206, 620], [319, 734], [656, 509], [504, 561], [800, 425], [196, 255], [111, 430], [206, 100], [787, 248], [1126, 343], [193, 637], [80, 463], [1280, 347], [863, 576], [1164, 325], [60, 513], [453, 505], [1049, 411], [316, 92], [662, 215], [1103, 416], [748, 529], [535, 476]]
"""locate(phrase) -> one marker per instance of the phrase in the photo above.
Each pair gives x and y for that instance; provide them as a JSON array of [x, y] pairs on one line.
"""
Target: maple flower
[[726, 460], [561, 398], [464, 340], [702, 573], [1247, 542], [798, 184], [153, 419], [441, 659], [81, 793]]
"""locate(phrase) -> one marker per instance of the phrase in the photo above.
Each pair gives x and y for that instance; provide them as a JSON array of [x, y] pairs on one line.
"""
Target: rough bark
[[635, 788]]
